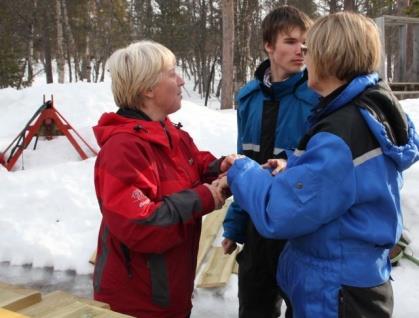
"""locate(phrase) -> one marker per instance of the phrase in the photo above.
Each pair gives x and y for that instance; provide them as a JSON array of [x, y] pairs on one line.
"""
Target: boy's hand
[[228, 245], [277, 165]]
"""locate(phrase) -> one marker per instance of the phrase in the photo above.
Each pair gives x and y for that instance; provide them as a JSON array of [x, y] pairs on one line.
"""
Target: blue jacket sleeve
[[317, 187], [235, 223]]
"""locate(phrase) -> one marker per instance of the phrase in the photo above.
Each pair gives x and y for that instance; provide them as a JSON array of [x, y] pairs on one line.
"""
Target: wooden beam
[[399, 20], [210, 228], [92, 259], [218, 269], [235, 268], [4, 313], [383, 58], [78, 309], [58, 299], [14, 297]]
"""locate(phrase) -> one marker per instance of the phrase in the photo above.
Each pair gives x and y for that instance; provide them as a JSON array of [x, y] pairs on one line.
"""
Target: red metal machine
[[48, 122]]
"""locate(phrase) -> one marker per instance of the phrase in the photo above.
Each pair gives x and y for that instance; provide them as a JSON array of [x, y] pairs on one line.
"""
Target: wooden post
[[381, 27], [415, 66], [403, 50], [228, 55]]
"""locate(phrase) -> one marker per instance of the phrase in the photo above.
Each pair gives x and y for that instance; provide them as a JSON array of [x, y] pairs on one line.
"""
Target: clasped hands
[[219, 187], [276, 165]]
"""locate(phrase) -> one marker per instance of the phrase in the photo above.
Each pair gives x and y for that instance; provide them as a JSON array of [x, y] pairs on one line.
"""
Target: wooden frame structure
[[408, 42]]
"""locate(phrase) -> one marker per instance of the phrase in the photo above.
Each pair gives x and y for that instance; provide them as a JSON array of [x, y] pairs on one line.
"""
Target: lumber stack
[[19, 302]]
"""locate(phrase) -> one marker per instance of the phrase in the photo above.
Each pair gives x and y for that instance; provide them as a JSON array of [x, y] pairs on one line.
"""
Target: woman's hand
[[222, 186], [228, 162], [217, 195], [277, 165]]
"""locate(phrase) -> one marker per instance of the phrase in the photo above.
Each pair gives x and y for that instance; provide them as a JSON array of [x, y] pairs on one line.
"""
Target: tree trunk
[[242, 57], [60, 43], [47, 47], [333, 6], [102, 77], [85, 64], [71, 45], [349, 5], [30, 56], [228, 50]]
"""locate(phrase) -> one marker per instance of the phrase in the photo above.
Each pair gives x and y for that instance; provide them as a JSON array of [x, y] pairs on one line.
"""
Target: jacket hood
[[111, 124], [383, 114], [392, 128]]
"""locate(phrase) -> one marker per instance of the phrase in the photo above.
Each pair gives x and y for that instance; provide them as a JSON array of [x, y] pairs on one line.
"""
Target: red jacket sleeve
[[209, 166], [125, 185]]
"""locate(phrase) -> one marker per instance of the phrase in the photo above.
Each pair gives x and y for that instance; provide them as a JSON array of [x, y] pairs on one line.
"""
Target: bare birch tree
[[60, 42], [228, 53]]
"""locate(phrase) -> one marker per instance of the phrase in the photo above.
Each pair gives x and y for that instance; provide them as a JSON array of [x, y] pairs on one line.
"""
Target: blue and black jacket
[[271, 119], [338, 201]]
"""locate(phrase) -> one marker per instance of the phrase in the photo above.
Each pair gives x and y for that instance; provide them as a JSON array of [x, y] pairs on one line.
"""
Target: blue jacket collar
[[277, 90]]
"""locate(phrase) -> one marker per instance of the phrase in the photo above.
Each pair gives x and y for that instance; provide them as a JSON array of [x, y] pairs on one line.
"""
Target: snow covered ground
[[49, 216]]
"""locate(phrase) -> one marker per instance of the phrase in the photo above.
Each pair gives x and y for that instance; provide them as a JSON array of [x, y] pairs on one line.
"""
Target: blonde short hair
[[136, 68], [344, 45]]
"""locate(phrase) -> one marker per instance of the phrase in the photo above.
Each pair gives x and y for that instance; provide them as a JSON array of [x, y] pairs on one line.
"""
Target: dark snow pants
[[356, 302], [259, 295]]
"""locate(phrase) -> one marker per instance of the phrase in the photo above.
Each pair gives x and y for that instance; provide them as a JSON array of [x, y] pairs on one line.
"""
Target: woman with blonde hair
[[338, 199], [152, 187]]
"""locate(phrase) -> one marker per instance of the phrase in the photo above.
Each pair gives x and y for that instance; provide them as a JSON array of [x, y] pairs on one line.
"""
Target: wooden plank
[[92, 259], [14, 297], [403, 83], [78, 309], [58, 299], [236, 268], [381, 27], [4, 313], [406, 94], [218, 269], [210, 228], [404, 86]]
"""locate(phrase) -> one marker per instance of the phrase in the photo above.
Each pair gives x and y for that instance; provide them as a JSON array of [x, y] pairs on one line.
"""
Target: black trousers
[[259, 295], [374, 302]]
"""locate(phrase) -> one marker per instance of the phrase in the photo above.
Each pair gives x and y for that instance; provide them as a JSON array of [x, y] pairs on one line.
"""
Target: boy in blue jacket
[[271, 117]]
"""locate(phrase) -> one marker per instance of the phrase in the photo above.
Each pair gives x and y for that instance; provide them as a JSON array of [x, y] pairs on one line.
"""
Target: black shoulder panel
[[348, 124]]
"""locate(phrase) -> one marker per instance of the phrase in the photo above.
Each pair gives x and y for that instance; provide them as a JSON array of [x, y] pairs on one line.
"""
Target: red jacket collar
[[152, 131]]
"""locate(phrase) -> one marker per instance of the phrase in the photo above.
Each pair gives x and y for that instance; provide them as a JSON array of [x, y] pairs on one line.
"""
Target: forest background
[[76, 37]]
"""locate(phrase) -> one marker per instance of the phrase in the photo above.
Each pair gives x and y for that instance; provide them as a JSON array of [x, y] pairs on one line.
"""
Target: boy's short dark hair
[[283, 19]]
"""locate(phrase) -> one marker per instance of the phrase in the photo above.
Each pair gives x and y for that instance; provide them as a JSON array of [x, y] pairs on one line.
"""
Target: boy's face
[[285, 54]]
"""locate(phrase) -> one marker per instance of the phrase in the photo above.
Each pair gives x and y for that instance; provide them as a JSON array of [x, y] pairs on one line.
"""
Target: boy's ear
[[268, 48]]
